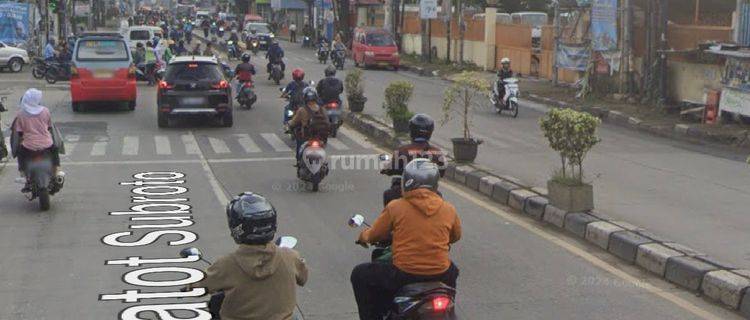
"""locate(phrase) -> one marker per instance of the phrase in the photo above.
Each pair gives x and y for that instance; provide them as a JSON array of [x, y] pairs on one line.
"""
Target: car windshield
[[140, 35], [102, 50], [193, 72], [379, 39], [259, 27]]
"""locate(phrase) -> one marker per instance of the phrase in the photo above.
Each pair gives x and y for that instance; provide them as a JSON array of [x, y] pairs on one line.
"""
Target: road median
[[678, 264]]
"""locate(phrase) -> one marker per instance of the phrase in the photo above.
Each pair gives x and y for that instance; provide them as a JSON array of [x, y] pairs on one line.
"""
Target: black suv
[[194, 86]]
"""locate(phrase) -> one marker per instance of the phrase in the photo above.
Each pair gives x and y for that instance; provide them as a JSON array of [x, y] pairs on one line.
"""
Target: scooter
[[57, 71], [339, 56], [220, 33], [510, 101], [333, 110], [233, 50], [416, 301], [313, 164], [276, 73], [254, 46], [323, 54], [214, 304], [246, 97], [40, 68]]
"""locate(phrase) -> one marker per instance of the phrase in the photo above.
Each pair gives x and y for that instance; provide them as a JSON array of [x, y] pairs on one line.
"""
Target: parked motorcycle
[[323, 54], [246, 97], [214, 304], [417, 301], [509, 102], [339, 56], [333, 110], [313, 164], [40, 68], [276, 73], [57, 71]]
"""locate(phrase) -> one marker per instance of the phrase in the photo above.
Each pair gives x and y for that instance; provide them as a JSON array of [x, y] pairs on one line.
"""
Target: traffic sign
[[428, 9]]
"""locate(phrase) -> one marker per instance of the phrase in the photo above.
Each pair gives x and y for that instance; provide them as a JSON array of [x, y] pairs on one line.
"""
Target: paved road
[[694, 195], [54, 262]]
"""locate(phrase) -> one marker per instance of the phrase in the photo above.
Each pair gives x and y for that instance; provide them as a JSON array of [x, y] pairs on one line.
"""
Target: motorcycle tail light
[[332, 105], [165, 85], [315, 143], [440, 304], [223, 84]]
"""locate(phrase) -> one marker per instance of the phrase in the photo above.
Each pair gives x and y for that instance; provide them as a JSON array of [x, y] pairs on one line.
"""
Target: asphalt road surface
[[63, 264]]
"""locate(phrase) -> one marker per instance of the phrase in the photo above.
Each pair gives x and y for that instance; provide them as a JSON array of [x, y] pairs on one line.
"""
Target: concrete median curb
[[652, 253]]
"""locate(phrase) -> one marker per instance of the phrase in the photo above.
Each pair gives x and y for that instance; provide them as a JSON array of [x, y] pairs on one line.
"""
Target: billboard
[[14, 22]]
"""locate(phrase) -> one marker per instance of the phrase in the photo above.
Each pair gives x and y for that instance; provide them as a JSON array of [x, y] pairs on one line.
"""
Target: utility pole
[[447, 6], [461, 30], [90, 22], [556, 22], [626, 47], [388, 15]]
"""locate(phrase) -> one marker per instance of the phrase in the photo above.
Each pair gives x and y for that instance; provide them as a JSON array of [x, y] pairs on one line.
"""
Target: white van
[[144, 34]]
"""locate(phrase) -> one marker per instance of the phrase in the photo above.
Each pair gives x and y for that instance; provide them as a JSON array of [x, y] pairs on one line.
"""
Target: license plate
[[384, 64], [103, 74], [193, 101], [262, 42]]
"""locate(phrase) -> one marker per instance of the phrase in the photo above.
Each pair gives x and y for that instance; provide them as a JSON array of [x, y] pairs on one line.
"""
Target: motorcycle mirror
[[286, 242], [384, 157], [312, 83], [356, 221], [187, 252]]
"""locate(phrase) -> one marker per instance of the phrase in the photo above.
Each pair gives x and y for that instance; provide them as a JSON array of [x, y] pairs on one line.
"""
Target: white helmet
[[505, 60]]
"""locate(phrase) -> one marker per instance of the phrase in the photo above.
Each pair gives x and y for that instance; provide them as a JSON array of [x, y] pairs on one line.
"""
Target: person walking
[[293, 32]]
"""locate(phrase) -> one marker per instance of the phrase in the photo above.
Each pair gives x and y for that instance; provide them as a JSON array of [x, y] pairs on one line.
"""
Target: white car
[[13, 58]]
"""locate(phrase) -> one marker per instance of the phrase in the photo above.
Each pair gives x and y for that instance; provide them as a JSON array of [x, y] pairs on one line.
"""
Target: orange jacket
[[423, 226]]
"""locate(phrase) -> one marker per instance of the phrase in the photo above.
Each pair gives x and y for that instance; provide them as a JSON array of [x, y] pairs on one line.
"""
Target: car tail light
[[223, 84], [165, 85], [165, 109], [440, 304]]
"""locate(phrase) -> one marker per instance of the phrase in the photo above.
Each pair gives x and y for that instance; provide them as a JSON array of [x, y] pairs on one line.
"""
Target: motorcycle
[[313, 164], [233, 50], [339, 56], [40, 180], [214, 303], [246, 97], [57, 71], [254, 46], [323, 54], [220, 33], [510, 101], [276, 73], [417, 301], [144, 71], [333, 110], [40, 68]]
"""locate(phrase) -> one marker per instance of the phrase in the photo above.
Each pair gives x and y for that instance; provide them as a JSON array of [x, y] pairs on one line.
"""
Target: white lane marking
[[162, 145], [191, 146], [275, 142], [337, 144], [70, 147], [99, 148], [218, 145], [130, 145], [357, 137], [247, 143], [221, 196], [72, 138]]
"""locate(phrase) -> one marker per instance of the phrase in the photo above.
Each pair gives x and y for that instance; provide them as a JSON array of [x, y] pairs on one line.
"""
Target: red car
[[374, 47], [102, 71]]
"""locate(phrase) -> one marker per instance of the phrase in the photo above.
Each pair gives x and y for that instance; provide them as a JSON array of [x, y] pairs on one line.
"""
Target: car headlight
[[369, 53]]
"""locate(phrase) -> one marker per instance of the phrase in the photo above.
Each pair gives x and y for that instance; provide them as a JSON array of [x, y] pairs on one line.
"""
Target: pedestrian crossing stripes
[[78, 146]]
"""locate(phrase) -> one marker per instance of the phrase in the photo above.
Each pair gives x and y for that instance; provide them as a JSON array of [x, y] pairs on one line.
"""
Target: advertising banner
[[573, 57], [604, 25], [14, 22]]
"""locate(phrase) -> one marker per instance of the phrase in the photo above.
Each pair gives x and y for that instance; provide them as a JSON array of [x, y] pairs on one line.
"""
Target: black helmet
[[251, 218], [245, 57], [310, 94], [421, 127], [330, 71], [420, 173]]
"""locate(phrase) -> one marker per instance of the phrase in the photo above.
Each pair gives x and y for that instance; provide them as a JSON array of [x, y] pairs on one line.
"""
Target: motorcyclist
[[209, 52], [32, 127], [49, 50], [250, 37], [275, 55], [301, 120], [330, 88], [293, 91], [422, 226], [505, 72], [234, 37], [139, 56], [421, 127], [244, 72], [205, 25], [258, 279]]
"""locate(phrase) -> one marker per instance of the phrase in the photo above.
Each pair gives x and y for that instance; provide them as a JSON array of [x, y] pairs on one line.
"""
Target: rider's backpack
[[298, 97], [318, 125]]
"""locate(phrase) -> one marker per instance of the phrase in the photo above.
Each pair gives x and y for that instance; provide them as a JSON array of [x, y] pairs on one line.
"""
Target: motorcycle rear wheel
[[514, 109], [43, 199]]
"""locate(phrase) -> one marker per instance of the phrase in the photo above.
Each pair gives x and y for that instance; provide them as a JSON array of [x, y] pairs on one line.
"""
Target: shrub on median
[[397, 96], [572, 134], [467, 89]]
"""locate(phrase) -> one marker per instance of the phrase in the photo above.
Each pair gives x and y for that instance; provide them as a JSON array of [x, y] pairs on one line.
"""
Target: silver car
[[13, 58]]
